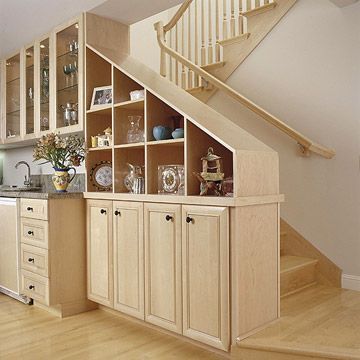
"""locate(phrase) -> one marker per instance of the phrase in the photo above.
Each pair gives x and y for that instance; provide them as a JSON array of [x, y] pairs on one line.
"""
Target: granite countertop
[[41, 194]]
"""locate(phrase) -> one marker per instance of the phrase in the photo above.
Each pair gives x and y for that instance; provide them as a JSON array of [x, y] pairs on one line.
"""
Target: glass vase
[[135, 134]]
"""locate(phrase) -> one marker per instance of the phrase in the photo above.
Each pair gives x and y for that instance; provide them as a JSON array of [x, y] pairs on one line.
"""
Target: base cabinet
[[99, 252], [167, 264], [128, 258], [205, 264], [163, 266]]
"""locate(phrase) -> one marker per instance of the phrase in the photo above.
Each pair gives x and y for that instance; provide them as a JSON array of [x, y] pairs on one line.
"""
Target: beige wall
[[307, 72]]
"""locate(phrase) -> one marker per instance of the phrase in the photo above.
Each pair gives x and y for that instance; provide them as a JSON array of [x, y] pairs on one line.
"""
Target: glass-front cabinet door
[[68, 68], [44, 86], [12, 95], [29, 92]]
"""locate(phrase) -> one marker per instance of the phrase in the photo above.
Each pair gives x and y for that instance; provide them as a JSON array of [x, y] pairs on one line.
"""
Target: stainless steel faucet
[[27, 181]]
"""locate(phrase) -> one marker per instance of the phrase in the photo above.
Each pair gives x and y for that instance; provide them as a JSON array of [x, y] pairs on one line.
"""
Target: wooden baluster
[[252, 4], [262, 2], [183, 72], [203, 49], [176, 49], [244, 8], [190, 72], [217, 30], [232, 19], [196, 45], [210, 45], [240, 19], [225, 22], [171, 60]]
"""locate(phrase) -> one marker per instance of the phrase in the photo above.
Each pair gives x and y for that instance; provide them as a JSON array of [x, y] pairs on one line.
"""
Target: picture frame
[[101, 97]]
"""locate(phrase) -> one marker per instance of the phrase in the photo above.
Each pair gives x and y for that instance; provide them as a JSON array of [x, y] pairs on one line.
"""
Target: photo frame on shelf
[[101, 97]]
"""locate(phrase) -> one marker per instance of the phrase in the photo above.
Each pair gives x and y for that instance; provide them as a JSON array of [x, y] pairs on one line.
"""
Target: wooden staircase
[[207, 40]]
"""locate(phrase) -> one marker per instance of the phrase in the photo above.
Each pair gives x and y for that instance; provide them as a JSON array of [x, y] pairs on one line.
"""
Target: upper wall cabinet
[[42, 85]]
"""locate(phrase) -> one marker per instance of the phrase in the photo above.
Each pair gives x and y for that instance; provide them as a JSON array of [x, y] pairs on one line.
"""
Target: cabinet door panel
[[129, 258], [99, 249], [163, 266], [206, 275]]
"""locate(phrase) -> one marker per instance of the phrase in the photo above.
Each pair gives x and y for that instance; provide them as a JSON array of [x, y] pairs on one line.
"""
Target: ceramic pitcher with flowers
[[63, 153]]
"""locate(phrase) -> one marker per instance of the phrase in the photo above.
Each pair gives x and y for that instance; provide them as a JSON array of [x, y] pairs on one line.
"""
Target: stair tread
[[259, 10], [234, 39], [290, 262], [213, 66]]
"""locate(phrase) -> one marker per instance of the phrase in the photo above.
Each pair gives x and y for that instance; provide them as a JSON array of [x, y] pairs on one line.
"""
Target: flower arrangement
[[61, 153]]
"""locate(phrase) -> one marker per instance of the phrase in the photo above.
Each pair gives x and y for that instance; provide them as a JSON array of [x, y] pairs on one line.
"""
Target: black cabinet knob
[[30, 233], [102, 211], [31, 287], [30, 209], [189, 219], [31, 260], [168, 218], [117, 213]]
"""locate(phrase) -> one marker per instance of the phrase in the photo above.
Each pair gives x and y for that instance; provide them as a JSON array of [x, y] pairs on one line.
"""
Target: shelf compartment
[[122, 124], [64, 37], [13, 68], [98, 74], [197, 145], [96, 124], [29, 88], [159, 113], [123, 156], [162, 154], [123, 85], [94, 158]]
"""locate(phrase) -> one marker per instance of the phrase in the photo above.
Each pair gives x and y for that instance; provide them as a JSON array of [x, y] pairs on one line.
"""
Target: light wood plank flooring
[[27, 332], [317, 323]]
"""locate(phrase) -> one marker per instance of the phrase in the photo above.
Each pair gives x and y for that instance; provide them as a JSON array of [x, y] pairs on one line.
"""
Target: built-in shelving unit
[[150, 153]]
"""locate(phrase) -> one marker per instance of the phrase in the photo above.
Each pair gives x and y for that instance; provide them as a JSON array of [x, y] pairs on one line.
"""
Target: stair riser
[[295, 280]]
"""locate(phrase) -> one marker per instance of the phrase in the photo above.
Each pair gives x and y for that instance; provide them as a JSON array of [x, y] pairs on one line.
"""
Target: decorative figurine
[[211, 178], [104, 140]]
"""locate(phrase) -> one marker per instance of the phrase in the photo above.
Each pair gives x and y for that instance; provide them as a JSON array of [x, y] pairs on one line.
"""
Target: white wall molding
[[351, 282]]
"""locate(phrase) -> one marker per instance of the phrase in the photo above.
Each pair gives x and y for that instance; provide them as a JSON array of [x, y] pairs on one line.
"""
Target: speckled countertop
[[41, 195]]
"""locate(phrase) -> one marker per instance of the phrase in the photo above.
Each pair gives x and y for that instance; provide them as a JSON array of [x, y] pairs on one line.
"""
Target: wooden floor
[[318, 323], [27, 332]]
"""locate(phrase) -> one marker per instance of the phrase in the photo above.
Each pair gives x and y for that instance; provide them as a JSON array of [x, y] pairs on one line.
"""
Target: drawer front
[[35, 286], [34, 232], [35, 259], [34, 209]]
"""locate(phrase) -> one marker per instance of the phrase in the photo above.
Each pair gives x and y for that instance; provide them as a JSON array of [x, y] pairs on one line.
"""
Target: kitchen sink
[[12, 188]]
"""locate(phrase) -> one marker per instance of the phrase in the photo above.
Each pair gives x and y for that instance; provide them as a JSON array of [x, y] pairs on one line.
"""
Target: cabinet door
[[205, 249], [163, 305], [99, 251], [129, 258]]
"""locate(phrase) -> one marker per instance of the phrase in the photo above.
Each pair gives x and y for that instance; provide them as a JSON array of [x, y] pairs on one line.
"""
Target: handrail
[[184, 6], [306, 144]]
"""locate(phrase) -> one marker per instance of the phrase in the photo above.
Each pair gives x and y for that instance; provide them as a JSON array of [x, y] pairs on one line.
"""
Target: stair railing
[[306, 145], [196, 30]]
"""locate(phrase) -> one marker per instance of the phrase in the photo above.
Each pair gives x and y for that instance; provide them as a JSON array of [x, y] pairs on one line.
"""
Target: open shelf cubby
[[150, 153]]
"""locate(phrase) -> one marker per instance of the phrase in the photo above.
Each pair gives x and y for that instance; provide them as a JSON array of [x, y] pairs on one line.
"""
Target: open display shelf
[[149, 153]]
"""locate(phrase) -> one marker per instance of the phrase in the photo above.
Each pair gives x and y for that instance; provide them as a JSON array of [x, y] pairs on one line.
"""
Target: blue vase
[[178, 133], [161, 132]]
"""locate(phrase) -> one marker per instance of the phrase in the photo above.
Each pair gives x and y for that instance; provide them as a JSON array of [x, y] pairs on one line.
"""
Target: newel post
[[159, 27]]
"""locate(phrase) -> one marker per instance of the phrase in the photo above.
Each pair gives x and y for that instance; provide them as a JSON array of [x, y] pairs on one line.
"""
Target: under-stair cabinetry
[[163, 266], [205, 249], [128, 258], [53, 254], [99, 252]]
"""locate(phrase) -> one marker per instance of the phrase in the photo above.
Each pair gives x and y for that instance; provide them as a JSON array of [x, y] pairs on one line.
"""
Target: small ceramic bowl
[[161, 132], [178, 133]]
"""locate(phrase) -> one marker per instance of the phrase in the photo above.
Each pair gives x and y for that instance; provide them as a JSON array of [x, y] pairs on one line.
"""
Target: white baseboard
[[351, 282]]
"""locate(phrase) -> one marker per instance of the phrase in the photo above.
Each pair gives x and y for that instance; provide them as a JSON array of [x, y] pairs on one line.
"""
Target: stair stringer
[[327, 272], [235, 53]]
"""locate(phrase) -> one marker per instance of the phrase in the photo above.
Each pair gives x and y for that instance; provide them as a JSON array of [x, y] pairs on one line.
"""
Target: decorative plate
[[101, 176]]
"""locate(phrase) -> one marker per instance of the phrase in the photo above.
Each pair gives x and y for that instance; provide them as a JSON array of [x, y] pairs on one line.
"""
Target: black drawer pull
[[31, 260], [31, 287], [30, 233], [103, 211], [168, 218], [30, 209], [189, 219], [117, 213]]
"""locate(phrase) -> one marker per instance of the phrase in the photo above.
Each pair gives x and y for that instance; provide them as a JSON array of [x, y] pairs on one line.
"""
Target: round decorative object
[[161, 132], [170, 179], [178, 133], [101, 176]]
